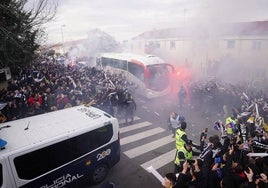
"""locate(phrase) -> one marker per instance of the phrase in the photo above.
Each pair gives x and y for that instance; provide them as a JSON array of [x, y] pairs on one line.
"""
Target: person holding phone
[[183, 154], [169, 180]]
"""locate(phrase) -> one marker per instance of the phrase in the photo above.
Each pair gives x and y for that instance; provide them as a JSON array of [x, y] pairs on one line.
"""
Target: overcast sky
[[124, 19]]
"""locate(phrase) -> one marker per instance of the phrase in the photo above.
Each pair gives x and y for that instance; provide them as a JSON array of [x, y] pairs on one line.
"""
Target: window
[[157, 45], [137, 70], [172, 45], [139, 45], [256, 45], [230, 43], [158, 79], [105, 61], [120, 64], [38, 162], [154, 45]]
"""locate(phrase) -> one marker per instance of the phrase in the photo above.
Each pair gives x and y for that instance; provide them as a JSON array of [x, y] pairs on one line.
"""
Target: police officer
[[181, 137], [184, 153], [130, 107], [114, 101], [230, 124]]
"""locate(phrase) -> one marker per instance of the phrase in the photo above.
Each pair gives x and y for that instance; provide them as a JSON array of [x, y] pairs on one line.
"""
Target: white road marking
[[149, 147], [135, 126], [141, 135], [121, 121], [161, 160]]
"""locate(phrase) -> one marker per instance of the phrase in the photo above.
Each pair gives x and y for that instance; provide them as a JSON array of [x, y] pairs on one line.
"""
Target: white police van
[[58, 149]]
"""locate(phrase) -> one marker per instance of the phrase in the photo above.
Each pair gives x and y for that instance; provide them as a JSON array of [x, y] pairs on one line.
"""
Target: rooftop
[[241, 28]]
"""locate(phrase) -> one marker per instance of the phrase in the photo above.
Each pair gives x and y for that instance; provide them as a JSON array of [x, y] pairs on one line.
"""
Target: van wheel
[[99, 174]]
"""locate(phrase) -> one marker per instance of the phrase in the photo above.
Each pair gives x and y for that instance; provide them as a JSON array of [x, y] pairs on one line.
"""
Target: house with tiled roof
[[244, 42]]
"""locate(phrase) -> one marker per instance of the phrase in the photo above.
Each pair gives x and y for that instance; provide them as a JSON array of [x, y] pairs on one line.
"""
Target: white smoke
[[96, 42]]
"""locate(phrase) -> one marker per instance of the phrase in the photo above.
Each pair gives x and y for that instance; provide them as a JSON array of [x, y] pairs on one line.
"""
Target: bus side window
[[98, 61], [121, 64], [136, 70], [104, 62]]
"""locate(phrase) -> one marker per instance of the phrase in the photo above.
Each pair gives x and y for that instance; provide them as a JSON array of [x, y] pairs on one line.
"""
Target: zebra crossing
[[140, 130]]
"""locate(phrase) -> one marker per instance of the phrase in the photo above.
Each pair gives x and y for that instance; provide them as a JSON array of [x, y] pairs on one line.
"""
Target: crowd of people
[[224, 160], [46, 86], [236, 157]]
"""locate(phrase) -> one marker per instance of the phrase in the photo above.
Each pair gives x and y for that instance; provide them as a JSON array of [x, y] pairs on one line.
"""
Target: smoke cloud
[[214, 26]]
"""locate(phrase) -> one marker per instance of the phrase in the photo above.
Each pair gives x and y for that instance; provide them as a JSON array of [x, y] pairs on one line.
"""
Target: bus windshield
[[159, 76]]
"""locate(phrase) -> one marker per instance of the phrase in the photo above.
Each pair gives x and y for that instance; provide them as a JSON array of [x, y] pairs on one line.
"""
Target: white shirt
[[174, 122]]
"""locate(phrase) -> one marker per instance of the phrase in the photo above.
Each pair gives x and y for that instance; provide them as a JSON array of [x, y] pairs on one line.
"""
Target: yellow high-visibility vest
[[179, 141], [229, 128], [230, 120], [187, 154]]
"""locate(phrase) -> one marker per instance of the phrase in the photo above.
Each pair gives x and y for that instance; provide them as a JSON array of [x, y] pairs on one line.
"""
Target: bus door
[[5, 175]]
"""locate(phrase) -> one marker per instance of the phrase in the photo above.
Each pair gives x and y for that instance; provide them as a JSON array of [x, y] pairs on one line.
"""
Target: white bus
[[150, 73], [59, 149]]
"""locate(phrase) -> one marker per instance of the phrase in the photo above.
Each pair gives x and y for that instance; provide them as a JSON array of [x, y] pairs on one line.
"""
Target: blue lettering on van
[[63, 181], [89, 113]]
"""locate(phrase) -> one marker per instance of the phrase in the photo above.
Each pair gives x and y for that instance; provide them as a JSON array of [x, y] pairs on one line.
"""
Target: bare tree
[[20, 26], [42, 11]]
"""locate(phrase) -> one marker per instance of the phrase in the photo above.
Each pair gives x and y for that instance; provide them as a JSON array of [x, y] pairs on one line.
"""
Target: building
[[204, 47]]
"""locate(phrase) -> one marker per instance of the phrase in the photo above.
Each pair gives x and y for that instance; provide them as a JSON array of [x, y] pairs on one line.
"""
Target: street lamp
[[62, 26]]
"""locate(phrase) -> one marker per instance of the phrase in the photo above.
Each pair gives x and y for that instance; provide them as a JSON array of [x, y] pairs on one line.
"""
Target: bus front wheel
[[99, 174]]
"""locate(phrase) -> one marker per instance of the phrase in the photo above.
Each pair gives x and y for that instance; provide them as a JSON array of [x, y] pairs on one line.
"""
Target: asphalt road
[[148, 142]]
